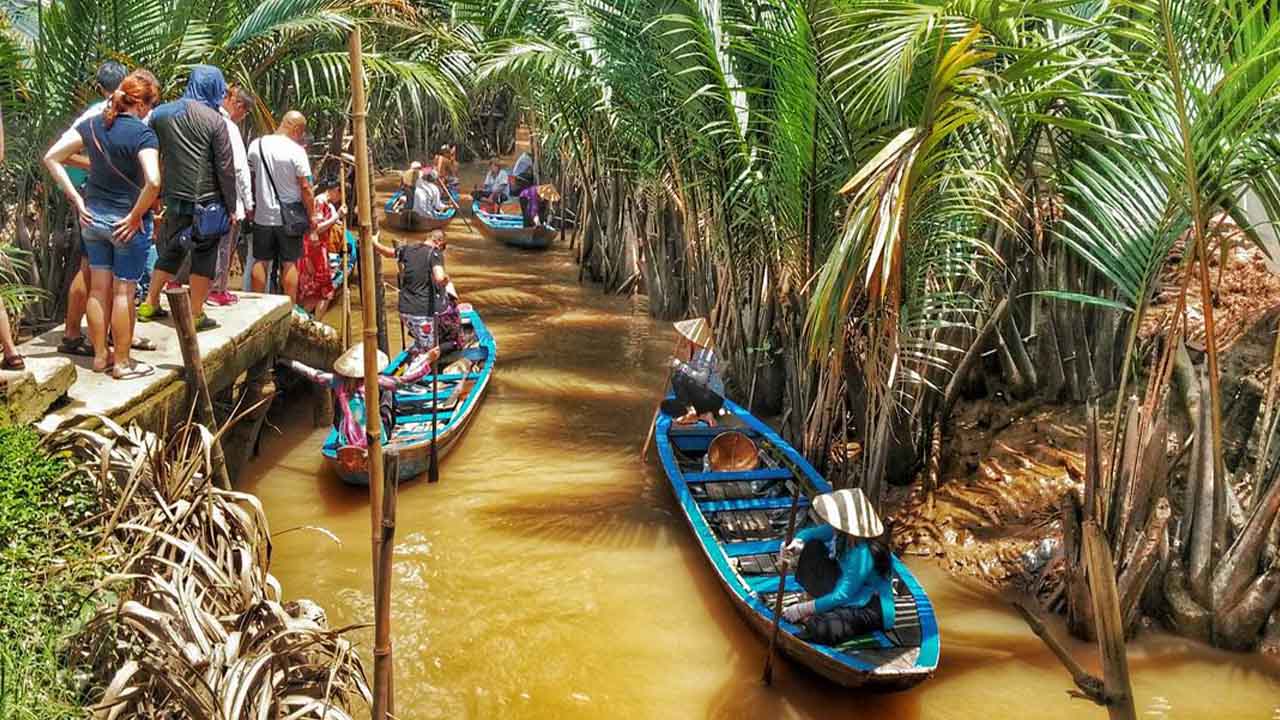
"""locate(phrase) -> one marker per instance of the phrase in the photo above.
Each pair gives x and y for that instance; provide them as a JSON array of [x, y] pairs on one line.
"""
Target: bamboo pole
[[382, 597], [346, 259], [185, 324], [373, 422]]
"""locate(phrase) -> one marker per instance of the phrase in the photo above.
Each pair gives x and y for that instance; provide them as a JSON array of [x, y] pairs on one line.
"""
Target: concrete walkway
[[252, 331]]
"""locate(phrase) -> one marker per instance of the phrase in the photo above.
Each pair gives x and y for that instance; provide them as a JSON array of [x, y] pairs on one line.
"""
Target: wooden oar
[[457, 208], [653, 424], [433, 463], [782, 586]]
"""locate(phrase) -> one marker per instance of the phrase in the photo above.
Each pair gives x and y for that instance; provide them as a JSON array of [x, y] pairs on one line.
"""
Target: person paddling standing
[[429, 313]]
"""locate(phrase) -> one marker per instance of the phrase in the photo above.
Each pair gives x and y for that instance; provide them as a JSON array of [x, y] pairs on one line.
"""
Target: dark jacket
[[195, 151]]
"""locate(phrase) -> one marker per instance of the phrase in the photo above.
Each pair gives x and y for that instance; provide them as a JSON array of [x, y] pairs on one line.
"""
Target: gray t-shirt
[[287, 161]]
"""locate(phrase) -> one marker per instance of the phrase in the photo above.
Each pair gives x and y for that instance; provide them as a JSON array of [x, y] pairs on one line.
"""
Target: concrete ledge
[[252, 330], [26, 395]]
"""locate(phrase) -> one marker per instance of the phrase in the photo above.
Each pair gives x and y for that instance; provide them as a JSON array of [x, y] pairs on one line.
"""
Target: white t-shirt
[[426, 197], [240, 159], [92, 111], [495, 182], [287, 161]]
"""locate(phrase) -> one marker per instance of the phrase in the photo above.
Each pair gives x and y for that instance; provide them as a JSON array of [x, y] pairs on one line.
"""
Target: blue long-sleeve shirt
[[858, 577]]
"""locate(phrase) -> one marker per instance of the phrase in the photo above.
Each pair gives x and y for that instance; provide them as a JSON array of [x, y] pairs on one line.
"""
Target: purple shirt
[[531, 194]]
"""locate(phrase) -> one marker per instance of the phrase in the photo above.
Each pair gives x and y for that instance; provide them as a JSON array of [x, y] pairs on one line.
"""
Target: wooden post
[[346, 258], [382, 649], [180, 305], [373, 422], [1110, 624]]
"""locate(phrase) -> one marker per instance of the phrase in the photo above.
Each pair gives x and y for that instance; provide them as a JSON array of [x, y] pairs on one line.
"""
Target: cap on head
[[109, 76]]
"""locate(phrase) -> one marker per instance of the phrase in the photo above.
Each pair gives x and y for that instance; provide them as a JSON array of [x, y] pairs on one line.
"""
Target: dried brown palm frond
[[198, 629]]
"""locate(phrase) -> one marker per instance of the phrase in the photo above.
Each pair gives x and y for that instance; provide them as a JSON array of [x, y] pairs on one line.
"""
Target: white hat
[[696, 331], [351, 363], [850, 512]]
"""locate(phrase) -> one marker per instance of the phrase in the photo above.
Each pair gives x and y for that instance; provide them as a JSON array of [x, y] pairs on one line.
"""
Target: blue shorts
[[127, 262]]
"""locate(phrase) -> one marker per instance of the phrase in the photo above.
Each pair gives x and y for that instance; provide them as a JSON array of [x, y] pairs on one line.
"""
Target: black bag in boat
[[817, 572]]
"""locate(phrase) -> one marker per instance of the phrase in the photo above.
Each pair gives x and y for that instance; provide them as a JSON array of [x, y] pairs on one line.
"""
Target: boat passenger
[[429, 312], [861, 601], [697, 384], [495, 189], [522, 175], [347, 383], [426, 194]]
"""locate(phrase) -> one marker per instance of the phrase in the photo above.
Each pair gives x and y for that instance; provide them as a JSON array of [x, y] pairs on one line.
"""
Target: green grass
[[46, 573]]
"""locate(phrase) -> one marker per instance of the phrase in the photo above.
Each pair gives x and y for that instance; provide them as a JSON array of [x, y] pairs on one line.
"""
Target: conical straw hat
[[850, 512], [351, 363], [696, 331], [549, 193]]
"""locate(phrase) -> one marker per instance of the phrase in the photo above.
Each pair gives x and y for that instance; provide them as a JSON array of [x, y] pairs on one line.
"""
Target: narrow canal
[[550, 575]]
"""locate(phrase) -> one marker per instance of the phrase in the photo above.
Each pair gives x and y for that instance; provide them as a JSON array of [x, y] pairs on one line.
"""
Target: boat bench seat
[[769, 584], [707, 431], [782, 502], [716, 477], [751, 547]]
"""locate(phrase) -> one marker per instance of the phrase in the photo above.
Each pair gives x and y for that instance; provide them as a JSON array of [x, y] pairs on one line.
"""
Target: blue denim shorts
[[127, 262]]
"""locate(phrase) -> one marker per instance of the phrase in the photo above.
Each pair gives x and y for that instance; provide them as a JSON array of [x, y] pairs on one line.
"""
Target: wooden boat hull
[[741, 535], [510, 230], [459, 390], [409, 221]]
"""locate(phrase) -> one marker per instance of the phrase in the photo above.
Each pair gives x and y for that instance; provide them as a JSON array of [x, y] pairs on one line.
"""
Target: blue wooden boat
[[409, 221], [510, 229], [740, 520], [460, 387]]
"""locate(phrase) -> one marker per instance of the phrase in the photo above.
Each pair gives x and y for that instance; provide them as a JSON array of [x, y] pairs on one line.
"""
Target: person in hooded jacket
[[198, 167]]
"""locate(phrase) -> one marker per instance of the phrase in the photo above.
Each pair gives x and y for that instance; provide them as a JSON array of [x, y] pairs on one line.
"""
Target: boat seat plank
[[769, 584], [759, 564], [768, 503], [738, 476], [753, 547], [690, 431]]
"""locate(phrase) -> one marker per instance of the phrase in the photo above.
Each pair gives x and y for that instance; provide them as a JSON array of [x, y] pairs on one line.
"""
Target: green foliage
[[46, 571]]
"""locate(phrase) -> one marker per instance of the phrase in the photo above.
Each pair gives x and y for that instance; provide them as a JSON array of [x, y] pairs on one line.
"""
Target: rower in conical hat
[[347, 384], [854, 597], [696, 382]]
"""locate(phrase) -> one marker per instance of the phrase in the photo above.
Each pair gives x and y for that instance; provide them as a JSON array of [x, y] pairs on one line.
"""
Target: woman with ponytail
[[115, 212]]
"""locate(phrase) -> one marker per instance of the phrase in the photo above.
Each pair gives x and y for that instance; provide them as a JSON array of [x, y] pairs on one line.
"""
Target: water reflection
[[550, 575]]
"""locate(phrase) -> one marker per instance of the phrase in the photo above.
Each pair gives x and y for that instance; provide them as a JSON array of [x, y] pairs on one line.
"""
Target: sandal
[[14, 362], [148, 312], [143, 344], [75, 346], [134, 371], [204, 322]]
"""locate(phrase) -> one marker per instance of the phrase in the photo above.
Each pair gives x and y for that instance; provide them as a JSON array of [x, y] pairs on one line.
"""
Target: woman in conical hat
[[347, 383], [697, 384], [861, 600]]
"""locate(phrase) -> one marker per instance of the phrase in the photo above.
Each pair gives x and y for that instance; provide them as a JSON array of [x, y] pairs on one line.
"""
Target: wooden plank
[[769, 503], [752, 547], [720, 477]]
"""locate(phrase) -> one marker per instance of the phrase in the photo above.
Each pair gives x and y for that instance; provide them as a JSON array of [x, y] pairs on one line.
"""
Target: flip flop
[[143, 344], [75, 346], [136, 370], [14, 362]]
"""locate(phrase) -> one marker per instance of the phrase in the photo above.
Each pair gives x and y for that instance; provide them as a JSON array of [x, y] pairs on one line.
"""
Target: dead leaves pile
[[198, 629]]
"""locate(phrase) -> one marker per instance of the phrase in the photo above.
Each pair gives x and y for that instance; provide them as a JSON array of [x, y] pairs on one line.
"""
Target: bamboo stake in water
[[185, 324], [346, 257], [373, 421]]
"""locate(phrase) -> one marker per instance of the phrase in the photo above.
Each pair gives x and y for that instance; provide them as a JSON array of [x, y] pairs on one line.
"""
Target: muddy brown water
[[550, 573]]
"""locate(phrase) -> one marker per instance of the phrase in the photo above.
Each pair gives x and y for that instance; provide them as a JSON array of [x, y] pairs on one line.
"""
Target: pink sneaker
[[222, 298], [171, 285]]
